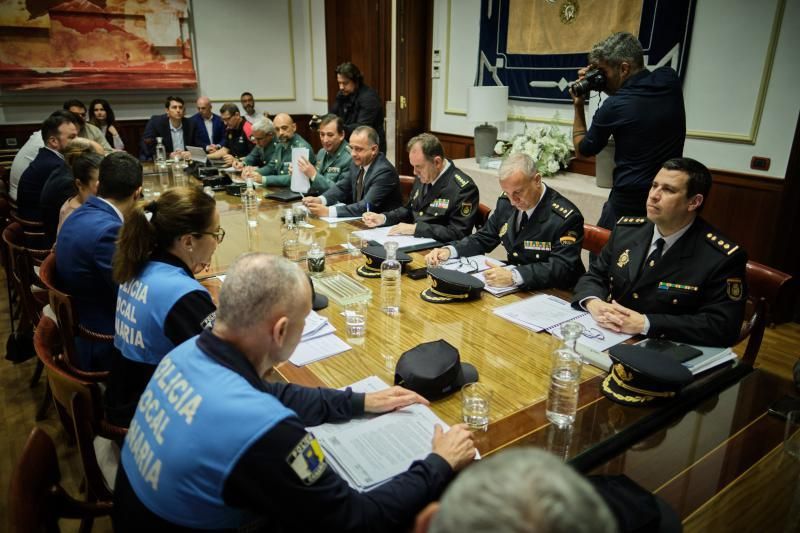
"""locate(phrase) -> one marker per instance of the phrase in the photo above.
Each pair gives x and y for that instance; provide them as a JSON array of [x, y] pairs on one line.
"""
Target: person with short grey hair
[[255, 163], [523, 490], [443, 202], [541, 231], [214, 446], [644, 113]]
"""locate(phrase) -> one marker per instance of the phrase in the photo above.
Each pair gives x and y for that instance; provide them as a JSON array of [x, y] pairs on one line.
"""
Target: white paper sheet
[[313, 350], [381, 235], [594, 337], [538, 312], [300, 181], [334, 220], [495, 291]]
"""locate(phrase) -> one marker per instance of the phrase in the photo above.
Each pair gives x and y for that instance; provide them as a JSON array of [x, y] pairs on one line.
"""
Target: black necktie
[[523, 220], [653, 258], [360, 185], [426, 189]]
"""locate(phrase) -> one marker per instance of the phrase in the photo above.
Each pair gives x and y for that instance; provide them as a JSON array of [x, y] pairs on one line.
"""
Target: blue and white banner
[[536, 47]]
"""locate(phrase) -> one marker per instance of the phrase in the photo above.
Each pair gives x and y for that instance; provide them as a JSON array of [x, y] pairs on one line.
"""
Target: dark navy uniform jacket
[[547, 252], [446, 213], [308, 496], [695, 293]]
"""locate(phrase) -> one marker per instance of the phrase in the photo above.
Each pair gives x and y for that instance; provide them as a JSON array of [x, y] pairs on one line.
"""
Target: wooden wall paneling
[[414, 25], [360, 31]]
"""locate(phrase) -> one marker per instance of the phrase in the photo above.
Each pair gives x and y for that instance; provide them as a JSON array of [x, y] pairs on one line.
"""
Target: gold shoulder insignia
[[503, 230], [631, 221], [461, 181], [563, 212], [721, 244]]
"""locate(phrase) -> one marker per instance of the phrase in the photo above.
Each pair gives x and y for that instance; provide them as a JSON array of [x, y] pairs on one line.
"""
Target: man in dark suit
[[671, 274], [176, 131], [541, 231], [86, 244], [57, 131], [209, 128], [443, 203], [373, 184]]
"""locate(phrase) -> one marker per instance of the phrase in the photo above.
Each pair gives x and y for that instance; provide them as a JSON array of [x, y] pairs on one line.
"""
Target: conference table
[[646, 443]]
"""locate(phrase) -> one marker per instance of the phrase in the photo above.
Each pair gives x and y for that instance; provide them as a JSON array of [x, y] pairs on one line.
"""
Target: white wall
[[274, 49], [729, 56]]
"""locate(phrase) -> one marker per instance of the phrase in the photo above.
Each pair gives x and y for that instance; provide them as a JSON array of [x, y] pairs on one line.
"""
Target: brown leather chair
[[36, 500], [5, 260], [594, 238], [79, 405], [767, 286], [483, 215], [406, 183], [68, 323]]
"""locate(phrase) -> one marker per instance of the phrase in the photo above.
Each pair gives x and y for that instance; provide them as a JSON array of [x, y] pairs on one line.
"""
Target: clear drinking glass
[[476, 403]]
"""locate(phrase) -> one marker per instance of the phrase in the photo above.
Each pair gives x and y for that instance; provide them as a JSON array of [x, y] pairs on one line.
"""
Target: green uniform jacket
[[547, 252], [331, 168], [695, 293], [276, 173], [261, 157], [446, 213]]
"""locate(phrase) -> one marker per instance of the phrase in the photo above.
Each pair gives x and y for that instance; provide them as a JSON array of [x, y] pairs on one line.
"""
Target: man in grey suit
[[373, 184]]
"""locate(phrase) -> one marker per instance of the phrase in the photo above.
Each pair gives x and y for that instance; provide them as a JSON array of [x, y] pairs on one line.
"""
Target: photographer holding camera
[[644, 112]]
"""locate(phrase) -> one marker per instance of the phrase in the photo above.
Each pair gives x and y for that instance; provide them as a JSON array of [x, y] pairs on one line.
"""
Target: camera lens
[[580, 88]]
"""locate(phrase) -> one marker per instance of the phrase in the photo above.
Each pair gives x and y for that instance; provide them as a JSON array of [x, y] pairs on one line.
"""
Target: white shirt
[[117, 211], [177, 137], [210, 129], [668, 241], [23, 159]]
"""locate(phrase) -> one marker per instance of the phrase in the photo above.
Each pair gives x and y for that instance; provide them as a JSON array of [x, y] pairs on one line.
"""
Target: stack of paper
[[317, 342], [381, 235], [712, 356], [477, 265], [368, 452], [495, 291]]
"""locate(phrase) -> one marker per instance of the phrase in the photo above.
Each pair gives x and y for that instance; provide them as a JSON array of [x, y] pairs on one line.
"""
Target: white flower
[[500, 148], [552, 166]]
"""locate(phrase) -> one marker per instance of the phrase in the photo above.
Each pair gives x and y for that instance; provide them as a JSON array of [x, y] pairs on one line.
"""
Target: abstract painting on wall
[[108, 44]]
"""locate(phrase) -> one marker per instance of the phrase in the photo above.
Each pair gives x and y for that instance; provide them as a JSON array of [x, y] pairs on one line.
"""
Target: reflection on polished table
[[691, 451]]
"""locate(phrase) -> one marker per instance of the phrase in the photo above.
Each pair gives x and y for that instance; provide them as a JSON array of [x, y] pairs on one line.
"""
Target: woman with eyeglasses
[[102, 116], [162, 246]]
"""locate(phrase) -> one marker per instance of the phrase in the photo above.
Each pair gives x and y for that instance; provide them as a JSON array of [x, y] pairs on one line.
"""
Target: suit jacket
[[547, 252], [58, 189], [84, 248], [446, 213], [381, 190], [201, 133], [695, 293], [158, 126], [33, 180]]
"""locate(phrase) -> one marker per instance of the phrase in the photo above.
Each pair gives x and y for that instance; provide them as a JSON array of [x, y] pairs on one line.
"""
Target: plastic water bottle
[[250, 202], [565, 377], [390, 280], [290, 237], [161, 154]]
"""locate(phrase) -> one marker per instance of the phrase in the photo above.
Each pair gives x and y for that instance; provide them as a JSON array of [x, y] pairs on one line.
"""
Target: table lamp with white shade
[[486, 104]]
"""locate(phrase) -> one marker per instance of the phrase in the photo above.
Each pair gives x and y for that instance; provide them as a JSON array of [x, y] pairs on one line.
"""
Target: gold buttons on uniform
[[516, 254], [635, 296], [421, 213], [674, 301]]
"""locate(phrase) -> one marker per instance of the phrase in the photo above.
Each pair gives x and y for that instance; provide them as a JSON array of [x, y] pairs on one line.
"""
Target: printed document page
[[539, 312], [381, 235]]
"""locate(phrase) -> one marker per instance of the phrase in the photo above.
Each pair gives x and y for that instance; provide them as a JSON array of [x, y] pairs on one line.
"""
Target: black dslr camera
[[593, 80], [314, 122]]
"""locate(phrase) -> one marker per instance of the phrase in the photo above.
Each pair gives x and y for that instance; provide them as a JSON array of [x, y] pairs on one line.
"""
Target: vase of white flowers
[[547, 145]]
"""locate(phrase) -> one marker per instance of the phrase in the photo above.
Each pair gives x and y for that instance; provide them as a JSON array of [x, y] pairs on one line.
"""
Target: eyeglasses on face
[[218, 235]]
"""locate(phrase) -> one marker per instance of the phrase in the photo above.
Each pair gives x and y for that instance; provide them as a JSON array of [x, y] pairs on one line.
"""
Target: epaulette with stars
[[563, 212], [631, 221], [721, 244]]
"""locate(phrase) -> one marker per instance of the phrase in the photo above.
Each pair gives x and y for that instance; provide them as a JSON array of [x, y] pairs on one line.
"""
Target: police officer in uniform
[[278, 171], [671, 274], [160, 304], [215, 446], [333, 159], [541, 231], [443, 203], [255, 164]]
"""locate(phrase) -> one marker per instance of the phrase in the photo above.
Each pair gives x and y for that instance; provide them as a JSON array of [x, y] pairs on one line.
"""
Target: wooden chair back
[[68, 324], [483, 215], [33, 231], [36, 499], [594, 238], [406, 183], [87, 421], [766, 287], [21, 262]]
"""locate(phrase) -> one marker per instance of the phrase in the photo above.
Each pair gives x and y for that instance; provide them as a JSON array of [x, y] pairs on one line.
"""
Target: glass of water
[[300, 213], [476, 401], [355, 320], [356, 243]]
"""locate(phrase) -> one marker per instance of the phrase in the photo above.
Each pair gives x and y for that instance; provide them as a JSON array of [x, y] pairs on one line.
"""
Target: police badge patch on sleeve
[[307, 460], [466, 208], [734, 289]]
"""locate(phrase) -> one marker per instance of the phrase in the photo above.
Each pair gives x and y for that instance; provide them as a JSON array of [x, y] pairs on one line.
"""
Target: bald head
[[204, 107], [284, 127]]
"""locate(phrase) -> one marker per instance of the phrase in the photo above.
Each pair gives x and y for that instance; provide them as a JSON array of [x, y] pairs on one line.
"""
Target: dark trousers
[[627, 202]]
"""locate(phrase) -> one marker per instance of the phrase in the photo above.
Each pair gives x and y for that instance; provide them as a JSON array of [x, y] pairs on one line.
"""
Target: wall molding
[[314, 95]]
